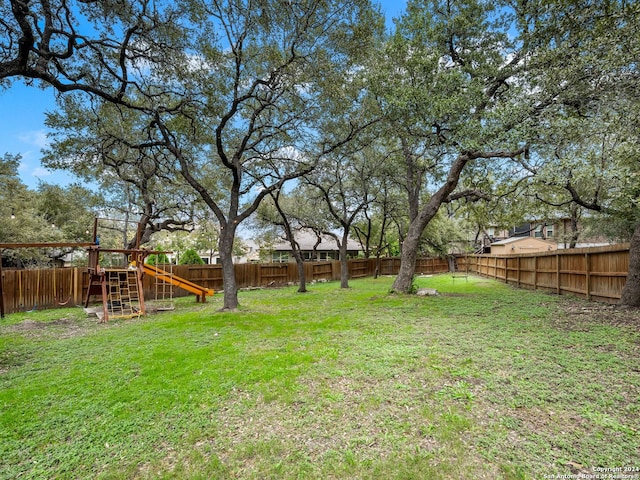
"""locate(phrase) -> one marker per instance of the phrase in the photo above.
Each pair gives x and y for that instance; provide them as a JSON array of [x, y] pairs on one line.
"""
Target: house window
[[549, 231], [538, 232], [324, 256], [280, 257]]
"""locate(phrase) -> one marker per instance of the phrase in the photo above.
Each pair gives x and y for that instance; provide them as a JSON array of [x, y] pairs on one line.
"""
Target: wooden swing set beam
[[46, 245]]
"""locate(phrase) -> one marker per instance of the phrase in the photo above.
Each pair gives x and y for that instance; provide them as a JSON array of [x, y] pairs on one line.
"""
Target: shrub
[[160, 259], [190, 257]]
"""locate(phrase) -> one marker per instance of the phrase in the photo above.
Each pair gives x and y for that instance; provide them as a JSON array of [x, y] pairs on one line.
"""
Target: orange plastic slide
[[201, 292]]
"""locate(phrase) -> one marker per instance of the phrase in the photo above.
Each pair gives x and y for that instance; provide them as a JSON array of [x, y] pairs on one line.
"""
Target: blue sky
[[22, 115]]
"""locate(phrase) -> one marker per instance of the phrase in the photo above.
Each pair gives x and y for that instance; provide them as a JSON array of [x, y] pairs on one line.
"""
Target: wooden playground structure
[[119, 288]]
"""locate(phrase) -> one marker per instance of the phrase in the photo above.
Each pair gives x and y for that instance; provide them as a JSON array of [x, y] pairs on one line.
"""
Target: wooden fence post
[[1, 290], [506, 270], [335, 269], [587, 266], [74, 281], [558, 273]]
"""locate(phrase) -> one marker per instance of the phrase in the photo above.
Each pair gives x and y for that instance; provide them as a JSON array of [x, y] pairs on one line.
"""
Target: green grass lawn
[[482, 381]]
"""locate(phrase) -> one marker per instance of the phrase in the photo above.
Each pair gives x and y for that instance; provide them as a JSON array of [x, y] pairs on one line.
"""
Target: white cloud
[[37, 138], [28, 159], [40, 172], [24, 165]]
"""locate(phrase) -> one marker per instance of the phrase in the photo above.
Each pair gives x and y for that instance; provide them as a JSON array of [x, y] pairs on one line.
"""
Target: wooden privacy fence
[[34, 289], [265, 274], [595, 273]]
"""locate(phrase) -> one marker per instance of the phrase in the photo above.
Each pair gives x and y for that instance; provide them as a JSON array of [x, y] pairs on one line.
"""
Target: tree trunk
[[302, 277], [376, 272], [409, 251], [408, 256], [383, 228], [631, 290], [344, 264], [225, 245], [295, 247], [575, 233]]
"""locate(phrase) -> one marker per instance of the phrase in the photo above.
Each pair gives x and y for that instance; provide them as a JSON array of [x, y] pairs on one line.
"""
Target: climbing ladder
[[163, 288], [120, 290], [123, 293]]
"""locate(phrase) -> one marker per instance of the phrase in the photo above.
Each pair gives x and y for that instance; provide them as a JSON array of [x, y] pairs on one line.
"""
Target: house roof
[[307, 241], [510, 240]]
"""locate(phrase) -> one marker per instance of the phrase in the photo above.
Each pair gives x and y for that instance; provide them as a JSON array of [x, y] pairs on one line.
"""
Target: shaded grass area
[[482, 381]]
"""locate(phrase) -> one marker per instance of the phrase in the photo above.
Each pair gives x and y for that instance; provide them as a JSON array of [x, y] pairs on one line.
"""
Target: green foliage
[[585, 147], [442, 236], [190, 257], [94, 144], [477, 382], [205, 236], [288, 85], [49, 214], [271, 85], [157, 259], [71, 209]]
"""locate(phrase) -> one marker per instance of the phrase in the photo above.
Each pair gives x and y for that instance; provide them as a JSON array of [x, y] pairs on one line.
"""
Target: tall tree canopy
[[101, 47], [262, 102], [49, 213], [233, 93], [233, 98], [448, 87], [138, 185], [587, 145]]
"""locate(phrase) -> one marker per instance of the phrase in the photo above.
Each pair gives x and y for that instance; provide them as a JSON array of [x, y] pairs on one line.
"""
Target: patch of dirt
[[580, 315], [59, 328], [33, 325]]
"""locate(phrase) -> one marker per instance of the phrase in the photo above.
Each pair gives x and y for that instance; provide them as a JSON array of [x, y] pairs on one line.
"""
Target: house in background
[[516, 245], [249, 248], [558, 231], [312, 246]]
